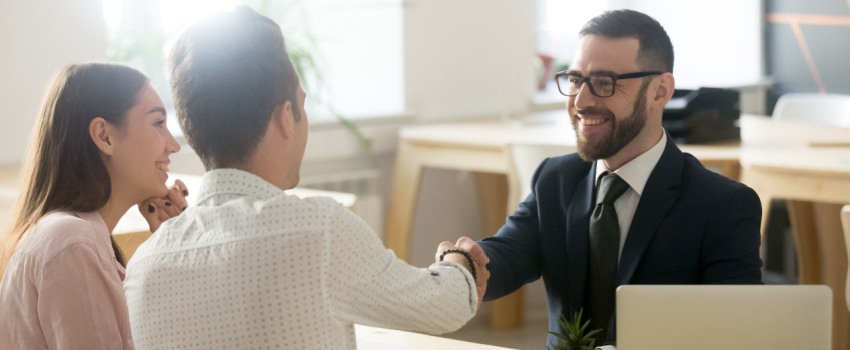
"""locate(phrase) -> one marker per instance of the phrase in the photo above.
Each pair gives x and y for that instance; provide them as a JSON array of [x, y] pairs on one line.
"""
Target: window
[[716, 44], [558, 23], [356, 46]]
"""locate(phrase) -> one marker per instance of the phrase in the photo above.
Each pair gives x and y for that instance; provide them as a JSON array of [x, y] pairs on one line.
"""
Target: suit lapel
[[578, 225], [659, 195]]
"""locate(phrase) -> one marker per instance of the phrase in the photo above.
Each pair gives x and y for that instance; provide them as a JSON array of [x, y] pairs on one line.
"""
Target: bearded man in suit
[[673, 221]]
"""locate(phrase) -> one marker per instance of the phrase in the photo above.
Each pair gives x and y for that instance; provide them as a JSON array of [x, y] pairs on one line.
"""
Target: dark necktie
[[603, 254]]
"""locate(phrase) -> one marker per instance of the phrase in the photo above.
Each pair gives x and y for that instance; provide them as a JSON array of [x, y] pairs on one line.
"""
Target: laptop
[[728, 317]]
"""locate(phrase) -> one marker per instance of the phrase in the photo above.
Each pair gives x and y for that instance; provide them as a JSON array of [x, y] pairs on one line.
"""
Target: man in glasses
[[629, 207]]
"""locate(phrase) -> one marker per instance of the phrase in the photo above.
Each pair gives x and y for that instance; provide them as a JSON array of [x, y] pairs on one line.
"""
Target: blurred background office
[[379, 65]]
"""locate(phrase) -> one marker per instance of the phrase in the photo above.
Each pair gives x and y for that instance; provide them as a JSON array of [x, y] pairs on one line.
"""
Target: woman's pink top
[[63, 288]]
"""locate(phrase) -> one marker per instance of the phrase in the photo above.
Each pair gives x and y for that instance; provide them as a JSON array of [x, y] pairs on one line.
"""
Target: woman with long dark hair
[[100, 145]]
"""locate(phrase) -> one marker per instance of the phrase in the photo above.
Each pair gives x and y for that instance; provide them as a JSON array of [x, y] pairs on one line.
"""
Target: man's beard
[[622, 131]]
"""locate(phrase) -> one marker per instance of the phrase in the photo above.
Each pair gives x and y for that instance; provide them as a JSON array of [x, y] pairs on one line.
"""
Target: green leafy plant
[[573, 336]]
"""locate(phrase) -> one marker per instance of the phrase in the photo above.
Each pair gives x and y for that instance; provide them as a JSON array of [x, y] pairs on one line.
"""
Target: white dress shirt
[[636, 173], [252, 267]]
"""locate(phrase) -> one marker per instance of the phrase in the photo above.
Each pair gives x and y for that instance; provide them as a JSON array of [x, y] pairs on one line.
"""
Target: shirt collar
[[235, 181], [636, 172]]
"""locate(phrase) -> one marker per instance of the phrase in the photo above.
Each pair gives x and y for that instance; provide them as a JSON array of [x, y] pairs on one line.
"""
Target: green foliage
[[573, 336], [305, 56]]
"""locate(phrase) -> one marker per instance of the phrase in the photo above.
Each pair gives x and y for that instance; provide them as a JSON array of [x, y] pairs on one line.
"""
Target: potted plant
[[574, 335]]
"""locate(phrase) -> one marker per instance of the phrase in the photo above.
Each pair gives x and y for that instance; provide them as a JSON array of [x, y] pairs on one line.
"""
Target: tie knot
[[611, 187]]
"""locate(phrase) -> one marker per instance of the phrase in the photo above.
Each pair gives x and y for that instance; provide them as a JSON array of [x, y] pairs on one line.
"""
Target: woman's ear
[[99, 131]]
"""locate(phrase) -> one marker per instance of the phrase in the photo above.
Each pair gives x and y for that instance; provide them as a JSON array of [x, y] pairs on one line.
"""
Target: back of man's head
[[656, 49], [228, 73]]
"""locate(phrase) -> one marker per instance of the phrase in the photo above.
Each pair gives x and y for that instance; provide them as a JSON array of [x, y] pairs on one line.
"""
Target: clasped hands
[[479, 258]]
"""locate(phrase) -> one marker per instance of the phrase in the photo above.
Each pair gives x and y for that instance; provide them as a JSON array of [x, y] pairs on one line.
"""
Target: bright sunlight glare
[[177, 14], [174, 14]]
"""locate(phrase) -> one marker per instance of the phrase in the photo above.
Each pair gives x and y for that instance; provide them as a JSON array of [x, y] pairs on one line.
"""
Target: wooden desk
[[815, 180], [371, 338], [481, 148], [809, 166]]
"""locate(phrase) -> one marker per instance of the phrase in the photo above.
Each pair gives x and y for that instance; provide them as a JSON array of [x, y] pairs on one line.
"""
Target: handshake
[[465, 252]]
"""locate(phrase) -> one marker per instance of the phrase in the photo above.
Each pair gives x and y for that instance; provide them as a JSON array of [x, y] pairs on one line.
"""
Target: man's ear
[[100, 133], [664, 90], [284, 120]]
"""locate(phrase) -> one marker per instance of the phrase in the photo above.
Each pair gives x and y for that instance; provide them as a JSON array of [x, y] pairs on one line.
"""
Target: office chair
[[830, 109], [845, 221]]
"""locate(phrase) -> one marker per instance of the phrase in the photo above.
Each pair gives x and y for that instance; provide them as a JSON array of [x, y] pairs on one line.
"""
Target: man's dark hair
[[656, 50], [228, 73]]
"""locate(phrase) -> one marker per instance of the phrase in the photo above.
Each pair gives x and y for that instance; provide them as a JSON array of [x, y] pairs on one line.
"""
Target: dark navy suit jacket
[[691, 226]]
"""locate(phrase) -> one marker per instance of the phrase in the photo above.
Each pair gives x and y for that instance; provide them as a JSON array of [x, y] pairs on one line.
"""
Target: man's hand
[[479, 258], [158, 210]]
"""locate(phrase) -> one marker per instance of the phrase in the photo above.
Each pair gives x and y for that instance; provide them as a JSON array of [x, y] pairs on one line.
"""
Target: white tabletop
[[371, 338]]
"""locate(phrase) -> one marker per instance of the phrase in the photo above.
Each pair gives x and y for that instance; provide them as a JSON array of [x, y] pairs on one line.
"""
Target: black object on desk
[[703, 116]]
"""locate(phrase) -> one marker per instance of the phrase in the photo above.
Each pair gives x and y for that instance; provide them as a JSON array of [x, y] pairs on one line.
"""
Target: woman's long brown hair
[[63, 169]]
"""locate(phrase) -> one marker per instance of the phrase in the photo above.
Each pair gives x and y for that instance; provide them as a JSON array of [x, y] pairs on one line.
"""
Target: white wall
[[468, 58], [37, 37]]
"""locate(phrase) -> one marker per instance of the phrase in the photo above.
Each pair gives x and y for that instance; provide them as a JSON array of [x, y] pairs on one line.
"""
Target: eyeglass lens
[[600, 85]]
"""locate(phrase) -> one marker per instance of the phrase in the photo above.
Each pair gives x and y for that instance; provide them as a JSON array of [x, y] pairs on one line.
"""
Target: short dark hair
[[656, 50], [228, 73]]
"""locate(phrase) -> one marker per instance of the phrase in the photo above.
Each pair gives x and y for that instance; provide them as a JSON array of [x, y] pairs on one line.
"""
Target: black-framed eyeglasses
[[601, 84]]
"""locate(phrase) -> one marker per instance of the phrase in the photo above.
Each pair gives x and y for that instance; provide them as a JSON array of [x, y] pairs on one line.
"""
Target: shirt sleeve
[[368, 285], [75, 306]]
